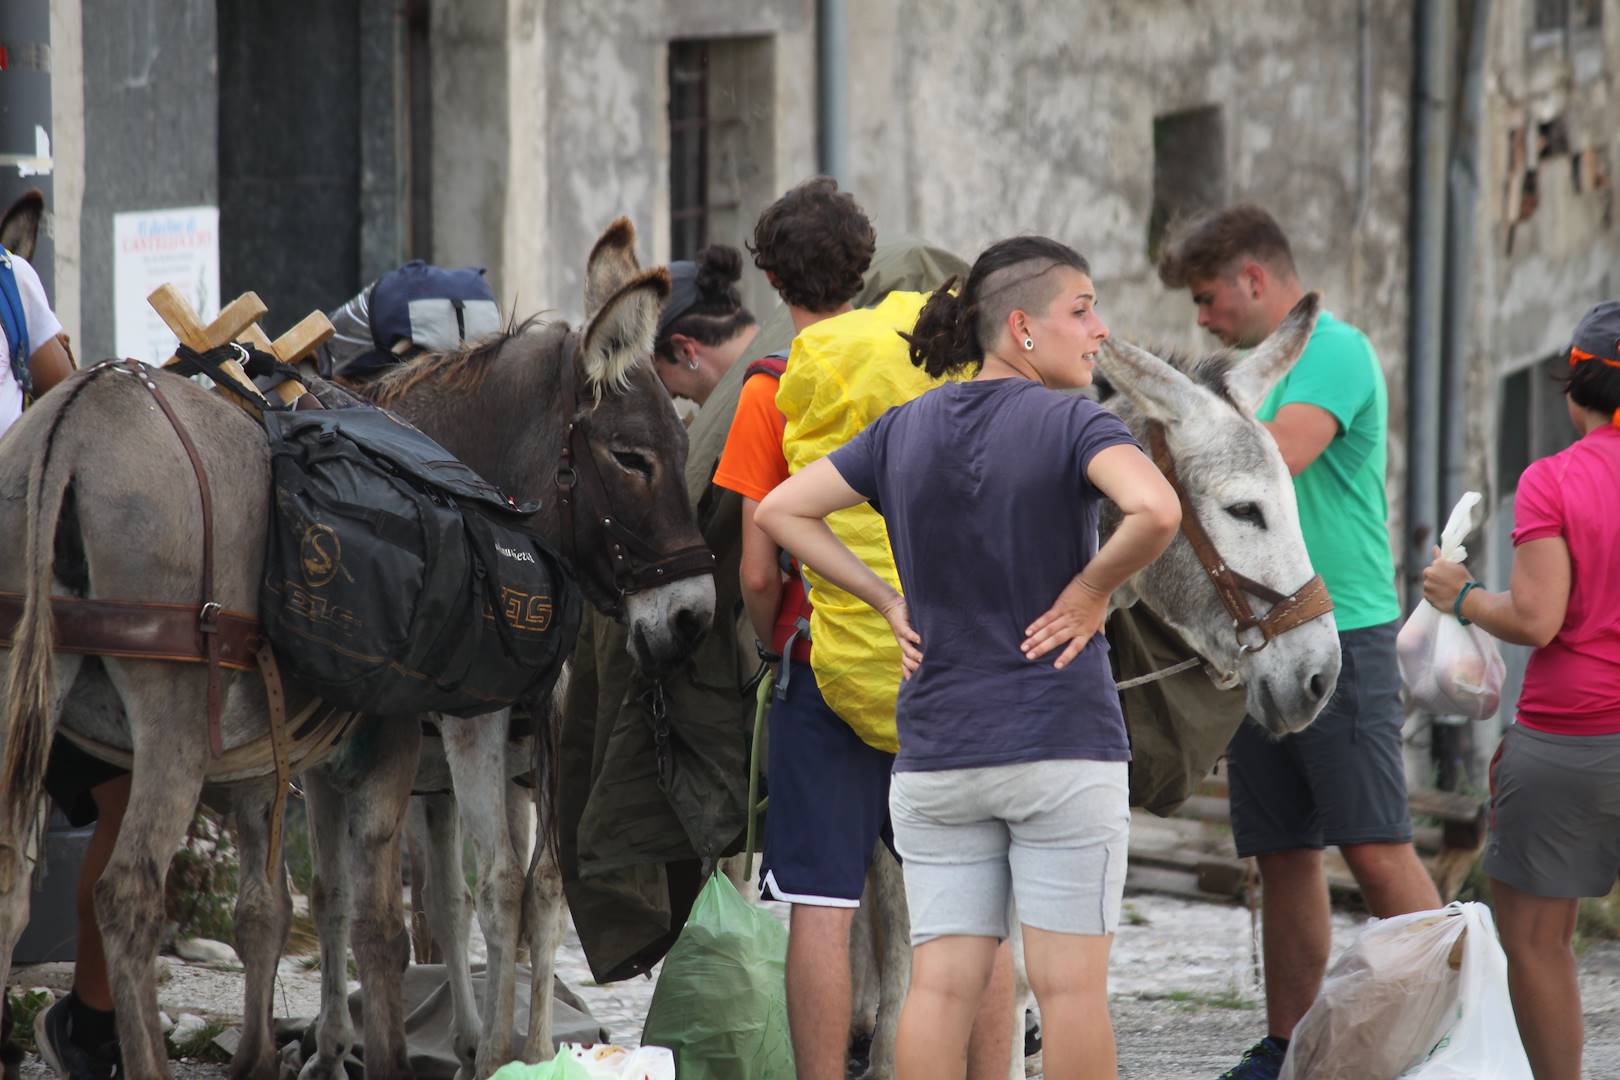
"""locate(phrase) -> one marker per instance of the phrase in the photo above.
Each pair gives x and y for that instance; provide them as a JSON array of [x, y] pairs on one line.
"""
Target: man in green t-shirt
[[1340, 781]]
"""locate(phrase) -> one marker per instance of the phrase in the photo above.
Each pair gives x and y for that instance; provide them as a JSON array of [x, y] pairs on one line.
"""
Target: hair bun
[[943, 340], [719, 270]]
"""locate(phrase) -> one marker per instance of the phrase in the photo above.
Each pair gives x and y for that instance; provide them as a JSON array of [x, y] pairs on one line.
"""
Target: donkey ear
[[1159, 391], [1252, 377], [612, 263], [20, 226], [621, 334]]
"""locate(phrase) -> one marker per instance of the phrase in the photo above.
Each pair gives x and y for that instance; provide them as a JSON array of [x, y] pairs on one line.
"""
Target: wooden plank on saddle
[[236, 317], [295, 345]]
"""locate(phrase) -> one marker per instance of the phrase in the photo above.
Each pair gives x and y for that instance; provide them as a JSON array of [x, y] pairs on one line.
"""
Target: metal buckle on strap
[[208, 617]]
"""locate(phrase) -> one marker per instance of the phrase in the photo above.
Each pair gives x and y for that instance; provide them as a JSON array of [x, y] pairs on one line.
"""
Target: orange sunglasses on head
[[1577, 355]]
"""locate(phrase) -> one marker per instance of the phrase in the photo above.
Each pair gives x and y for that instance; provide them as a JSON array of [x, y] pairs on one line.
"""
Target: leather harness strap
[[632, 563], [207, 625], [201, 633], [280, 752], [1309, 601], [137, 630]]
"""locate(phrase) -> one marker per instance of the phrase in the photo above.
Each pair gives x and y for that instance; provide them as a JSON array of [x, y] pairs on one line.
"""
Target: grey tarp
[[430, 1028], [636, 823]]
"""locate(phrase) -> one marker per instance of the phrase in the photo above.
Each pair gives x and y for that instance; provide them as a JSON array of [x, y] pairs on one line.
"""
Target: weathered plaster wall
[[980, 121], [550, 120]]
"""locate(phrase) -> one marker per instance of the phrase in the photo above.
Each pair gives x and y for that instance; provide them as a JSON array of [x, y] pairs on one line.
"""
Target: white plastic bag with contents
[[1448, 668], [1416, 997]]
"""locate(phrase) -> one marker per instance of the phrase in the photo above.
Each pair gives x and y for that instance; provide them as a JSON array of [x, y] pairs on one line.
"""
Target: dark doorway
[[289, 154]]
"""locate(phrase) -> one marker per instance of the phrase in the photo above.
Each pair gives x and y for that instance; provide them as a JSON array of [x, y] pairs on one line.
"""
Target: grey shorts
[[1555, 813], [1340, 781], [1051, 834]]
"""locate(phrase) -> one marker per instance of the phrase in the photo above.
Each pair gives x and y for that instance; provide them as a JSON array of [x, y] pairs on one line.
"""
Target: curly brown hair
[[816, 243]]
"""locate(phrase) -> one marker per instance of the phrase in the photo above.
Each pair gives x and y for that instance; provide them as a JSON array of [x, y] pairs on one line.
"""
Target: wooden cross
[[239, 321]]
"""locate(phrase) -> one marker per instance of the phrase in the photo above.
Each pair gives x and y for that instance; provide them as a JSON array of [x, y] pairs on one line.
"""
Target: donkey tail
[[28, 715]]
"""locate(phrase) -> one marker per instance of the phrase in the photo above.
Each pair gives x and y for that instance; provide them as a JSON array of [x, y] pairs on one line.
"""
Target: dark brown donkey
[[96, 472]]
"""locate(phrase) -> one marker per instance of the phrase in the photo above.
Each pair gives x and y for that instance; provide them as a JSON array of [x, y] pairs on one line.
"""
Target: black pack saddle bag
[[399, 581]]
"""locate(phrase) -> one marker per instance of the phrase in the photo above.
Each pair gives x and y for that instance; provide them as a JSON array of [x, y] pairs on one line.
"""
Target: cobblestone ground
[[1185, 999]]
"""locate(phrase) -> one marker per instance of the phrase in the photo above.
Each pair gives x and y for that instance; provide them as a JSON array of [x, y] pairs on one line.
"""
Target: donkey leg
[[263, 916], [445, 892], [520, 822], [330, 900], [475, 748], [416, 842], [1015, 1069], [166, 781], [543, 901], [892, 925], [376, 809], [863, 966]]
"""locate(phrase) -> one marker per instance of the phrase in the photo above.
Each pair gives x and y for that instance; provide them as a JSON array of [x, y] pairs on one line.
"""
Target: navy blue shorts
[[1340, 781], [829, 803]]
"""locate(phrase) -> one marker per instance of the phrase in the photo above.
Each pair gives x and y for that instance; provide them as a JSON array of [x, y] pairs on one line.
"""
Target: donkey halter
[[1309, 601], [632, 562]]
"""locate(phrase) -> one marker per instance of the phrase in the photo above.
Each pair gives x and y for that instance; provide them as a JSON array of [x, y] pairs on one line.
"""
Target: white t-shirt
[[42, 326]]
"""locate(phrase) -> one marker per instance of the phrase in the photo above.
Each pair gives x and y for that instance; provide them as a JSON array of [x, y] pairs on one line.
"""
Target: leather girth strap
[[1309, 601]]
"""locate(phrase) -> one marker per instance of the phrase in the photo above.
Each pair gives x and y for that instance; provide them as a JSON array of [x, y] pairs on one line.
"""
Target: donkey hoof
[[323, 1068]]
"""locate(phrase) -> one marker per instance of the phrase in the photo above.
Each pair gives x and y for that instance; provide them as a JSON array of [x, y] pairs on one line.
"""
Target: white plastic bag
[[1448, 668], [600, 1061], [1417, 997]]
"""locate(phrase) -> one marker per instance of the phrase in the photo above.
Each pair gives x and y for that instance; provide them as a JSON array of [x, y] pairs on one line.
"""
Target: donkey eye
[[633, 462], [1249, 513]]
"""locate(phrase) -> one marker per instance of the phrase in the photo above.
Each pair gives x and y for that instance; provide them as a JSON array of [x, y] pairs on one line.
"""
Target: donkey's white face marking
[[666, 622]]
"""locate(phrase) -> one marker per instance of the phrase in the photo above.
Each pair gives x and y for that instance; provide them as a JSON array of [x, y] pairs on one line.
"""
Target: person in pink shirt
[[1555, 780]]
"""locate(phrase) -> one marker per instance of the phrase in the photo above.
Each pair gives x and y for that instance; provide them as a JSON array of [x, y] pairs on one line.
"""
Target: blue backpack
[[16, 326]]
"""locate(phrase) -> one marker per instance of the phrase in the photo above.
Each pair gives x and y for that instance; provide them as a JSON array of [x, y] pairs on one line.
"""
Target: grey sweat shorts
[[1342, 780], [1555, 813], [1051, 834]]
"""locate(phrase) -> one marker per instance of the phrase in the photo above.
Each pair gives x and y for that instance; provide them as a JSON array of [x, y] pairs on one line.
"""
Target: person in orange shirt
[[829, 790]]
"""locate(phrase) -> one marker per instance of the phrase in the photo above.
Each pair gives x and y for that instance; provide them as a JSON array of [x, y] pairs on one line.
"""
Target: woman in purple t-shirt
[[1011, 778]]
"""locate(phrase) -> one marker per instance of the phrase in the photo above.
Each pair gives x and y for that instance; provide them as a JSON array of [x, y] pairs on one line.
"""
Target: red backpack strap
[[773, 365]]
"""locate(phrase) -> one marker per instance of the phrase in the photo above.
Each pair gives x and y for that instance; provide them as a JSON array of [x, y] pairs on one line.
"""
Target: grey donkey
[[119, 518], [1240, 490]]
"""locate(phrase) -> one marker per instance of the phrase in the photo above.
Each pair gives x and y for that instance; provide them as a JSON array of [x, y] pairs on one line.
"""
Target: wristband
[[765, 654], [1456, 605]]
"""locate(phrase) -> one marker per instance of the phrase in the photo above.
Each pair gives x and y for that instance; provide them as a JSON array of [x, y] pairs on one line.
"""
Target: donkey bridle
[[631, 561], [1309, 601]]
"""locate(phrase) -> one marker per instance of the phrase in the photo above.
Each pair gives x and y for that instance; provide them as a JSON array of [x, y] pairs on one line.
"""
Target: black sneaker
[[1262, 1061], [53, 1037]]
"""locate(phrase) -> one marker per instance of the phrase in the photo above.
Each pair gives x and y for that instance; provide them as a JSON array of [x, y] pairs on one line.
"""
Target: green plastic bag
[[721, 1000], [561, 1067]]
